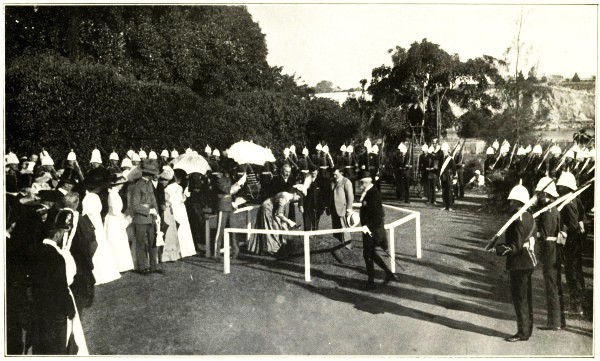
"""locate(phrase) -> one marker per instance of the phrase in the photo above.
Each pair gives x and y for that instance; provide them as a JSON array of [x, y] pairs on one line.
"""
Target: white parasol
[[247, 152], [191, 163]]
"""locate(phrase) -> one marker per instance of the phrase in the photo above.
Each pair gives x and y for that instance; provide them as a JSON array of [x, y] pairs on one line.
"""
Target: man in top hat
[[143, 208], [372, 218], [342, 198]]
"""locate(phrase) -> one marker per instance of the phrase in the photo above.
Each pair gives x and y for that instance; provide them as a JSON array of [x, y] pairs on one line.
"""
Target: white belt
[[348, 166], [324, 167], [551, 239], [304, 170]]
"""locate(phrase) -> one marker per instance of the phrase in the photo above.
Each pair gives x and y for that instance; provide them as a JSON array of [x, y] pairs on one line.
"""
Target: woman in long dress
[[273, 215], [174, 196], [171, 251], [105, 265], [115, 228]]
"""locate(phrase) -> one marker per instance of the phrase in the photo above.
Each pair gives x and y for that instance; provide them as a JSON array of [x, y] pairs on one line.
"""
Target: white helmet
[[555, 150], [47, 160], [11, 158], [505, 148], [445, 147], [96, 158], [519, 193], [189, 151], [367, 144], [174, 153], [207, 150], [537, 149], [152, 155], [478, 172], [495, 145], [570, 154], [293, 149], [489, 151], [71, 155], [425, 148], [528, 149], [567, 179], [216, 153], [194, 152], [402, 148], [136, 158], [130, 153], [547, 184], [350, 148], [126, 163], [375, 149], [305, 151], [286, 152], [164, 153], [143, 154], [319, 147], [521, 151], [113, 156], [343, 148], [325, 149]]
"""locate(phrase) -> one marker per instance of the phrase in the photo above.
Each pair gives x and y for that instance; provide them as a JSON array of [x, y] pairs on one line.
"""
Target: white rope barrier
[[307, 234]]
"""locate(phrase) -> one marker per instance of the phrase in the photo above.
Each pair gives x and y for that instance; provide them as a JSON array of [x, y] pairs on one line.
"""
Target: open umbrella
[[191, 163], [247, 152]]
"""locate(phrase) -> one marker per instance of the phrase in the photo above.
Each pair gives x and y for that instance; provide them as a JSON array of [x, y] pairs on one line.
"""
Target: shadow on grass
[[367, 303]]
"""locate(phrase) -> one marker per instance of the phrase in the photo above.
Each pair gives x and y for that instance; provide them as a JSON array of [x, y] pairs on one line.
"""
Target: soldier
[[552, 161], [431, 166], [423, 171], [136, 160], [503, 162], [402, 173], [326, 165], [174, 154], [143, 155], [96, 160], [488, 166], [164, 158], [447, 171], [548, 225], [350, 164], [339, 160], [518, 250], [304, 166], [373, 165], [459, 187], [572, 223], [532, 173], [207, 152], [113, 166]]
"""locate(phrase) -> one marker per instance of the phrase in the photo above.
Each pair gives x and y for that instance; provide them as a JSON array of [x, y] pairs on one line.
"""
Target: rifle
[[565, 199], [512, 155], [498, 157], [460, 152], [530, 156], [564, 156], [545, 155]]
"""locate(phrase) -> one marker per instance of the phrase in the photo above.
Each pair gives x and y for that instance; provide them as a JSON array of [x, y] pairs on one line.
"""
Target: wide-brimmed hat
[[97, 178], [353, 219]]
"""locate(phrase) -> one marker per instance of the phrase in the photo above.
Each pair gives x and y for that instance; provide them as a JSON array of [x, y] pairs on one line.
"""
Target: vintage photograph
[[279, 179]]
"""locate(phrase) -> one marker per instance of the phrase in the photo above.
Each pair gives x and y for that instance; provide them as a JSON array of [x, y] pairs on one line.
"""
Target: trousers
[[372, 257], [520, 285], [145, 247], [552, 282], [447, 193], [574, 268], [311, 218], [51, 335], [223, 220], [431, 189]]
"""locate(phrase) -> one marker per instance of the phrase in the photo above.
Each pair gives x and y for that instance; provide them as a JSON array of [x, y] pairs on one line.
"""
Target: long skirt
[[116, 235], [266, 243], [171, 250]]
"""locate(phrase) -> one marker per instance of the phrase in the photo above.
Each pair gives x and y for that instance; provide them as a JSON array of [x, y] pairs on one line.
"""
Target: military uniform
[[431, 167], [571, 215], [402, 175], [446, 180]]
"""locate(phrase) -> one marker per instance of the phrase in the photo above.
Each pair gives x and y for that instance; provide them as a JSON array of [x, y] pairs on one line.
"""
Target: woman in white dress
[[105, 265], [171, 251], [115, 228], [174, 196]]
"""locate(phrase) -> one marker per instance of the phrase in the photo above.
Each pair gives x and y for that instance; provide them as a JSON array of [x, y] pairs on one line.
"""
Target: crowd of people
[[70, 228]]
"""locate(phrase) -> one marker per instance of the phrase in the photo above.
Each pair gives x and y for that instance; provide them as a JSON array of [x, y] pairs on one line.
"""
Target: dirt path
[[453, 301]]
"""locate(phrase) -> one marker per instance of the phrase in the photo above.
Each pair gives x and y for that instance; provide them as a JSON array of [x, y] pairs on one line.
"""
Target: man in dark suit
[[52, 303], [82, 249], [372, 220], [314, 203], [447, 171], [159, 194]]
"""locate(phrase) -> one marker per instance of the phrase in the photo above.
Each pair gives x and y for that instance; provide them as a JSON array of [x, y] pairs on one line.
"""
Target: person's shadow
[[373, 305]]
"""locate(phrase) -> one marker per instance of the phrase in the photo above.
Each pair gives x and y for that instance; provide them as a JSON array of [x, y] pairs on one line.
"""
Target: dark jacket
[[315, 199], [449, 171], [82, 249], [373, 216], [224, 198], [279, 185], [517, 234]]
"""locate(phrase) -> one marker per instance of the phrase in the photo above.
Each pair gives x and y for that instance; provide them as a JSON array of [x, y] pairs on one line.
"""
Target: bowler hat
[[364, 174]]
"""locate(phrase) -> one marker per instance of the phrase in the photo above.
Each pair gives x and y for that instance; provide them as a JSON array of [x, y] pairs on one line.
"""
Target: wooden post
[[307, 258], [226, 255], [207, 237], [418, 233], [392, 248]]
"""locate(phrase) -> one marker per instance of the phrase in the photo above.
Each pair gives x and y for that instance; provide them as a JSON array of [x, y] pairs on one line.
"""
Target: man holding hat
[[548, 225], [520, 261], [143, 208], [573, 218], [373, 222]]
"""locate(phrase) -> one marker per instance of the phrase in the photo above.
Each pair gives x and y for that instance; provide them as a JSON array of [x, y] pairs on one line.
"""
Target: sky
[[342, 43]]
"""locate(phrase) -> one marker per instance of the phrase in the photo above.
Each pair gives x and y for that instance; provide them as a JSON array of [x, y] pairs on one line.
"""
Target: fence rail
[[413, 215]]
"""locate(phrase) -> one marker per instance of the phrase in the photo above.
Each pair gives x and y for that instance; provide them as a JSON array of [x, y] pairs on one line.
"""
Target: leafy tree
[[324, 86], [576, 78]]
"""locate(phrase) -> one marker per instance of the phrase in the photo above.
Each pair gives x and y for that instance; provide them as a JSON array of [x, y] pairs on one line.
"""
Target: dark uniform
[[314, 203], [349, 164], [225, 213], [488, 165], [548, 225], [304, 166], [520, 265], [570, 216], [446, 180], [460, 175], [402, 175], [431, 165]]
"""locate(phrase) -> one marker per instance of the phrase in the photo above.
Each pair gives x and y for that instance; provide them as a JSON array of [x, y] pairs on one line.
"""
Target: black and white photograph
[[293, 179]]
